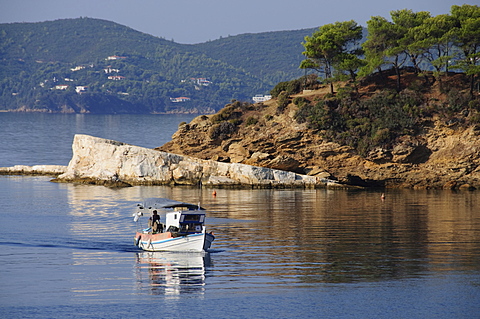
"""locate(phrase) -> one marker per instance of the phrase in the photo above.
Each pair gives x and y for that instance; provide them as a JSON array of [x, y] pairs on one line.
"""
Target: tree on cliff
[[467, 38], [333, 46], [433, 40], [405, 21], [389, 42]]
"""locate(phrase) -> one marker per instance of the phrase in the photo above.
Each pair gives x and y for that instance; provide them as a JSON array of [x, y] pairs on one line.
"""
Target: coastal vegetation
[[416, 39], [438, 54]]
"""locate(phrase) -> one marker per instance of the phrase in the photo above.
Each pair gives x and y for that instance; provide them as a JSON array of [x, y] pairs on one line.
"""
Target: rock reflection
[[293, 237], [307, 237], [171, 273]]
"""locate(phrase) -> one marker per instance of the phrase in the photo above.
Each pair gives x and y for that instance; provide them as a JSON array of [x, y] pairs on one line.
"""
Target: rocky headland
[[441, 154]]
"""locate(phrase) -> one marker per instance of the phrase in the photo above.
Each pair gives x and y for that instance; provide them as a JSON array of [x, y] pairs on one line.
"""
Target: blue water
[[46, 139], [67, 250]]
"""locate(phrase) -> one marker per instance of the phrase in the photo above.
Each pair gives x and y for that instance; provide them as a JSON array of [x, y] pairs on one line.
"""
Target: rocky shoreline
[[451, 165], [45, 170], [111, 163]]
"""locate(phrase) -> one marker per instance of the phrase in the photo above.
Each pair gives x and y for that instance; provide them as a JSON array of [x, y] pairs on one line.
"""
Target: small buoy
[[383, 196], [214, 193]]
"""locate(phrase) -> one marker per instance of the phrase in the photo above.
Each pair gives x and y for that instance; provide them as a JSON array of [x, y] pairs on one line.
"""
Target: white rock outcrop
[[103, 161], [51, 170]]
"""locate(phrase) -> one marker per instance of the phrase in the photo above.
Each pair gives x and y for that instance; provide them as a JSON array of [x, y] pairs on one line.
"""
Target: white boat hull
[[194, 242]]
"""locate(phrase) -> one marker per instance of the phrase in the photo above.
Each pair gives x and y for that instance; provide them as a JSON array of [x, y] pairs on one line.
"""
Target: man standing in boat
[[154, 222]]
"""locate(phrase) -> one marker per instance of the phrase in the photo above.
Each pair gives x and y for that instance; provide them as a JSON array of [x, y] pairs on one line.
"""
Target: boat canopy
[[166, 203]]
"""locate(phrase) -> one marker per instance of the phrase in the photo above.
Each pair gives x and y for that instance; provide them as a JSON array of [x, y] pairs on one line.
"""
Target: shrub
[[268, 117], [291, 87], [251, 121], [474, 118], [235, 122], [301, 115], [300, 101], [221, 131], [230, 111], [457, 100], [364, 124], [282, 102], [345, 92], [474, 105]]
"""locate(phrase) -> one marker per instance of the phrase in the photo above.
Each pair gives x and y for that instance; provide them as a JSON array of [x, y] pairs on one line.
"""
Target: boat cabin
[[180, 218], [185, 222]]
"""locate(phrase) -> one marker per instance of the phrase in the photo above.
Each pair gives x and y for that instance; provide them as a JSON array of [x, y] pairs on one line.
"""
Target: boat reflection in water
[[172, 273]]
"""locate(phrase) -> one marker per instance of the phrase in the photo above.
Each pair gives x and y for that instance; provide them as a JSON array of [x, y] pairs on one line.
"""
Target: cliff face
[[441, 155], [106, 162]]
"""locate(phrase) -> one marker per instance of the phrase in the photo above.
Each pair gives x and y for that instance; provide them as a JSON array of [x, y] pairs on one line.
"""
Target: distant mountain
[[272, 56], [90, 65]]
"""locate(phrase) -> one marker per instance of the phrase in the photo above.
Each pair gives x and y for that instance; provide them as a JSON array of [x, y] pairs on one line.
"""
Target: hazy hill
[[43, 64], [272, 56]]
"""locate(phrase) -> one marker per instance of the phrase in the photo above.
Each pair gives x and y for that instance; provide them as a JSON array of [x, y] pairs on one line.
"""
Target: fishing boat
[[172, 226]]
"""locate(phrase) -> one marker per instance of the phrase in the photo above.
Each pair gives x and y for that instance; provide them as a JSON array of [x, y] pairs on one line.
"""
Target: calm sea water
[[67, 250], [34, 139]]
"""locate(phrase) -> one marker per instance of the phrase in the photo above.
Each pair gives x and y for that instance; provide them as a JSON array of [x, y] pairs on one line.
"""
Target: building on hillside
[[179, 99], [109, 69], [81, 89], [61, 87], [116, 77], [199, 81], [116, 57], [202, 81], [261, 98], [77, 68]]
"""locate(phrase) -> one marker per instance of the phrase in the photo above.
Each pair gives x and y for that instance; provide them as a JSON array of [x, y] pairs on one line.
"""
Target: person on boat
[[154, 222]]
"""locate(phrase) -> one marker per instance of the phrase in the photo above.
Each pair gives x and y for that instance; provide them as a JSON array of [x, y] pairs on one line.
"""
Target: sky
[[197, 21]]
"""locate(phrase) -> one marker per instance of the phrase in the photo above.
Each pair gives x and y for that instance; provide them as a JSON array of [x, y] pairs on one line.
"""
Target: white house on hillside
[[116, 77], [179, 99], [110, 70], [261, 98], [81, 89], [116, 57], [77, 68]]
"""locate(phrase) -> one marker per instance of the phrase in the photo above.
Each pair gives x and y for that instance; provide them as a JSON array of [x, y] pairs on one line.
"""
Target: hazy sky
[[195, 21]]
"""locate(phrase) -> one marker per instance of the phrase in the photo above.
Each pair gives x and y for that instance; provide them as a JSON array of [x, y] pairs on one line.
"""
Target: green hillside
[[272, 56], [98, 66]]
